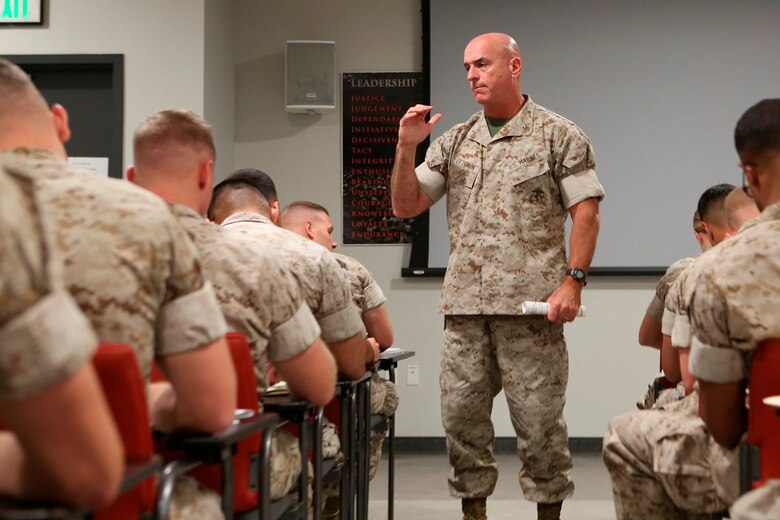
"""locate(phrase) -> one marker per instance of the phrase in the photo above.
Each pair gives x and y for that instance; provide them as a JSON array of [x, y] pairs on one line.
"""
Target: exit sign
[[21, 11]]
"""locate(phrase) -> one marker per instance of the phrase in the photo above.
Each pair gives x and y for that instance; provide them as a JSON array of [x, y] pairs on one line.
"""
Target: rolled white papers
[[542, 308]]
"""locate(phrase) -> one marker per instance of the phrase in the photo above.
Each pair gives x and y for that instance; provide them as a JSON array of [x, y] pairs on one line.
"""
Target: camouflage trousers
[[285, 463], [527, 357], [760, 504], [192, 501], [384, 397], [384, 400], [649, 401], [664, 463], [331, 448]]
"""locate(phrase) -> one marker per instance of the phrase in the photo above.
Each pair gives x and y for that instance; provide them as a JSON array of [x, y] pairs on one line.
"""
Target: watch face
[[577, 274]]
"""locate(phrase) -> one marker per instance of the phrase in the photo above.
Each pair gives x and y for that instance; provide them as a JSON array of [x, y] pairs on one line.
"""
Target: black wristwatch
[[578, 274]]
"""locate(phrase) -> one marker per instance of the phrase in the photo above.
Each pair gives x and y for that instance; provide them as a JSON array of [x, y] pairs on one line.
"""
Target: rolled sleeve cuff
[[293, 336], [341, 325], [431, 182], [190, 322], [716, 364], [681, 333], [656, 309], [579, 187], [374, 297], [43, 346], [667, 322]]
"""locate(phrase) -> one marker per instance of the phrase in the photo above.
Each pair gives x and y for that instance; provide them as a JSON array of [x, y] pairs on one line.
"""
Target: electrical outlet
[[413, 375]]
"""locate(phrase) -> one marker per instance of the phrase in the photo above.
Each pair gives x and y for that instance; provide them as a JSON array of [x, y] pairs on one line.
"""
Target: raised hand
[[413, 128]]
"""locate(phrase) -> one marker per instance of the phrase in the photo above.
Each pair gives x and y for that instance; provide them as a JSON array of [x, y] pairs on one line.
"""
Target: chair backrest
[[763, 422], [246, 456], [120, 375]]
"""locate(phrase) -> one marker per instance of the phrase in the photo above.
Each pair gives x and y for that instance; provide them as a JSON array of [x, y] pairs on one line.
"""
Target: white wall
[[163, 44], [303, 155], [218, 78]]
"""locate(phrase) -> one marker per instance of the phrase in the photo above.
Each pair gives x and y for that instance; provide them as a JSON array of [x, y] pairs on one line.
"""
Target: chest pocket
[[532, 183]]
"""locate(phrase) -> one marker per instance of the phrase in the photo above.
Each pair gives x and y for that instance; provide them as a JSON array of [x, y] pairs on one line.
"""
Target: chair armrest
[[391, 358], [212, 445], [287, 408], [345, 387], [13, 510], [135, 473]]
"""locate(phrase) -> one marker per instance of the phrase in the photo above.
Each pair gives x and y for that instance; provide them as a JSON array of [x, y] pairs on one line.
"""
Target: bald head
[[234, 197], [498, 42], [18, 92], [310, 220], [739, 208], [493, 66], [25, 117]]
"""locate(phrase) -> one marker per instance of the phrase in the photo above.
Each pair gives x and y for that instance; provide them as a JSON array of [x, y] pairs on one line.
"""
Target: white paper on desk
[[773, 401], [95, 165], [392, 350], [542, 308]]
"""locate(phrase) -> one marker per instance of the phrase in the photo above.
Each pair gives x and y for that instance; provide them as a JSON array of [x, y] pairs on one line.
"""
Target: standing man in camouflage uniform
[[45, 371], [259, 296], [511, 174]]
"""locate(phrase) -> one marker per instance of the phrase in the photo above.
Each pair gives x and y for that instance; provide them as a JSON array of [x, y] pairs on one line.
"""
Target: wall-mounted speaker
[[310, 76]]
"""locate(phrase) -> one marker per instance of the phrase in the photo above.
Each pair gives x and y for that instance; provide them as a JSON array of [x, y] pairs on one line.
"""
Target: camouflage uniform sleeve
[[190, 317], [656, 309], [293, 326], [575, 168], [338, 318], [374, 297], [681, 333], [44, 337], [43, 346], [657, 305], [669, 320], [372, 294], [713, 358], [431, 174]]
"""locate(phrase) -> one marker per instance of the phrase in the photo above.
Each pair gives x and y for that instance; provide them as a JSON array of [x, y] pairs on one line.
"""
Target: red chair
[[761, 458], [247, 455], [241, 491], [124, 387]]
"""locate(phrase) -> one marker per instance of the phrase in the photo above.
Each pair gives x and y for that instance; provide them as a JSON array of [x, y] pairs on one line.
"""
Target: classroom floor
[[421, 490]]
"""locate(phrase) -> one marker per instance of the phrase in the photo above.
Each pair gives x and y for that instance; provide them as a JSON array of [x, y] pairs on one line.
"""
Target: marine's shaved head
[[25, 117], [739, 208], [234, 197]]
